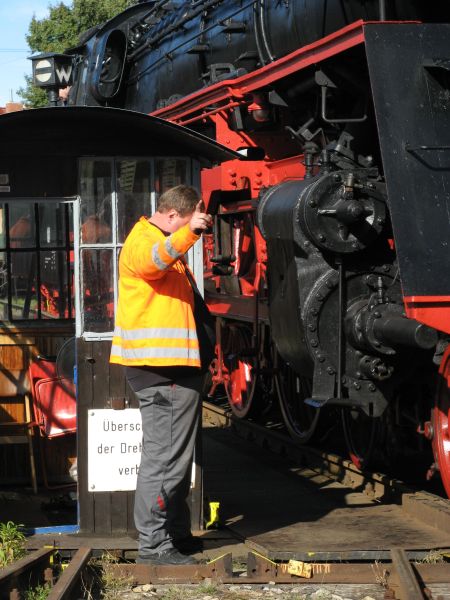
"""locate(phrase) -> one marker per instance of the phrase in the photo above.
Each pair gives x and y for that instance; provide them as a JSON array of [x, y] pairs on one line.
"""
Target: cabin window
[[36, 260], [134, 193], [169, 173], [114, 194]]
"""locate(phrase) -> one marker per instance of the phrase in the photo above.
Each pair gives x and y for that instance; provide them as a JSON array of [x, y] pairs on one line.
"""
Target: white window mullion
[[76, 268], [114, 209]]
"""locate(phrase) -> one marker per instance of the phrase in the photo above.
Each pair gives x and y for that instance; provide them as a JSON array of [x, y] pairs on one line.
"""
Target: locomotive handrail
[[409, 148], [338, 120]]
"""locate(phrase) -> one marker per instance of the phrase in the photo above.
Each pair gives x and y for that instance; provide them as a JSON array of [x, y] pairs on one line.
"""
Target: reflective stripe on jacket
[[155, 323]]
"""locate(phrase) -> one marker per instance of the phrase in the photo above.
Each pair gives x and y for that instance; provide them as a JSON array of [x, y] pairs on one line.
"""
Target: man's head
[[175, 207]]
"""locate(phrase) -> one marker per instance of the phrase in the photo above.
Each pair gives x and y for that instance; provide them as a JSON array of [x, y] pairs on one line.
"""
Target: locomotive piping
[[148, 14], [179, 24], [262, 22], [149, 67], [257, 40], [340, 369]]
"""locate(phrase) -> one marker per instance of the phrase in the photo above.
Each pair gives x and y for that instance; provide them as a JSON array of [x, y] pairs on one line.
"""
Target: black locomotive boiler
[[328, 266]]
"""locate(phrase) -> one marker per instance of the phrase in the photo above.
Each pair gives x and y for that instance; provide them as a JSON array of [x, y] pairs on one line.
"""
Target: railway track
[[400, 572], [376, 485], [400, 578], [422, 506], [38, 570]]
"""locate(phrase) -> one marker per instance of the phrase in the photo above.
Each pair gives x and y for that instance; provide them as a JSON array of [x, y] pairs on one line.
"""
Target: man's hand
[[200, 221]]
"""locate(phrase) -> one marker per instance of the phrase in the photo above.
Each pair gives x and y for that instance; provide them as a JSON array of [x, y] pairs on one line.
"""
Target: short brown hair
[[182, 198]]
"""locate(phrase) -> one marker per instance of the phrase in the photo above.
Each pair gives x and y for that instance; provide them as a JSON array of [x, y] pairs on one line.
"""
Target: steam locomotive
[[328, 264]]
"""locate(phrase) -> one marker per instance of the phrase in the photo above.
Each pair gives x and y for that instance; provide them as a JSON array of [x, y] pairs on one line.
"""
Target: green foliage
[[175, 593], [32, 96], [113, 584], [433, 557], [207, 588], [12, 543], [55, 32], [38, 593], [61, 30]]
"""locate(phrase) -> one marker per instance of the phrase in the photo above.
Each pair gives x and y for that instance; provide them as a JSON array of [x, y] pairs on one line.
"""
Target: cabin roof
[[92, 130]]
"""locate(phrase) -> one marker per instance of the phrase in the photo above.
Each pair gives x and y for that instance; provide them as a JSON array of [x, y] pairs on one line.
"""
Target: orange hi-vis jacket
[[155, 322]]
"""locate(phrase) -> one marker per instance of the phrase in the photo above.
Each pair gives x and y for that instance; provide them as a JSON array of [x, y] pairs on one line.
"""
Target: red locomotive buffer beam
[[250, 175]]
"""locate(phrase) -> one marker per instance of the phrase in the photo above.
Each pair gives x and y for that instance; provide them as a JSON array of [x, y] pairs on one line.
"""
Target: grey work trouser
[[170, 415]]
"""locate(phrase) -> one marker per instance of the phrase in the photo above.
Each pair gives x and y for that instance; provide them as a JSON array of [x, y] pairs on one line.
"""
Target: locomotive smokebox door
[[109, 166]]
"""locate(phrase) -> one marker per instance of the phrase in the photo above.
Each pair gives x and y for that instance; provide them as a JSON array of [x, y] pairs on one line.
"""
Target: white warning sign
[[114, 449]]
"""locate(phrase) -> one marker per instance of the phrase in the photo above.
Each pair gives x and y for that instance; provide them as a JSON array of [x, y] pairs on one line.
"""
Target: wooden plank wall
[[102, 513]]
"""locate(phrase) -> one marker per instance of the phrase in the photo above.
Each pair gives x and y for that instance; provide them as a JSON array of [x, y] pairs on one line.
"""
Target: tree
[[61, 30], [32, 97]]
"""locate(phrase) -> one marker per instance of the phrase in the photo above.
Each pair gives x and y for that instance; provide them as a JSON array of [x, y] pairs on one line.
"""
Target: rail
[[403, 573], [401, 578]]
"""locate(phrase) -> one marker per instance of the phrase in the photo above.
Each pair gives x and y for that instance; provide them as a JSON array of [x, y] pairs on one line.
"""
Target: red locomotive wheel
[[441, 421], [241, 387], [241, 383]]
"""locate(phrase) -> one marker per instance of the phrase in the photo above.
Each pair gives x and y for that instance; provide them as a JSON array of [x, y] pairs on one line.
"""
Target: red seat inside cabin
[[54, 399]]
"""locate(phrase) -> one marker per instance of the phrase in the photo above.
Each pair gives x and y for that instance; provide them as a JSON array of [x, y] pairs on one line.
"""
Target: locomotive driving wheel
[[292, 390], [360, 433], [441, 421], [241, 382]]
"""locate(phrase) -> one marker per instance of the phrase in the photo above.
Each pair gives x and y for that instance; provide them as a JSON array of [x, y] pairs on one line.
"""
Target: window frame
[[195, 255], [38, 249]]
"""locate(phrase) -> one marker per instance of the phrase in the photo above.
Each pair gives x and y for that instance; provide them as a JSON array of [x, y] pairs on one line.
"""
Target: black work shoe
[[166, 557], [189, 544]]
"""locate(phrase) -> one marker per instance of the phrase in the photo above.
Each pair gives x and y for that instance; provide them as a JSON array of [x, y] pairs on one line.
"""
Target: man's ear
[[172, 214]]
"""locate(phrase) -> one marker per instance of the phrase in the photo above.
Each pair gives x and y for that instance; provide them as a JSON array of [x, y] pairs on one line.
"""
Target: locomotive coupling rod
[[394, 330]]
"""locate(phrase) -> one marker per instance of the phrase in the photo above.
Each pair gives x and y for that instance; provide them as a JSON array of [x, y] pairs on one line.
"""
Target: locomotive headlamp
[[52, 71]]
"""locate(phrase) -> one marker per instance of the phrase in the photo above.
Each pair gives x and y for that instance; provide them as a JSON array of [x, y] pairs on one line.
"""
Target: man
[[63, 96], [157, 339]]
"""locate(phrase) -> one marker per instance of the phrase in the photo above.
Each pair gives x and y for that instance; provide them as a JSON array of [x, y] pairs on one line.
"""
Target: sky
[[15, 18]]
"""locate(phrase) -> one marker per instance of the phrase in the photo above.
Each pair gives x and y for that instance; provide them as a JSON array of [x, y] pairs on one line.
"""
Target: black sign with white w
[[52, 70]]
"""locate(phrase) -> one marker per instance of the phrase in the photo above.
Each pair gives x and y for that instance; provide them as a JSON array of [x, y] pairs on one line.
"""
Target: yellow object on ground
[[299, 568], [214, 508]]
